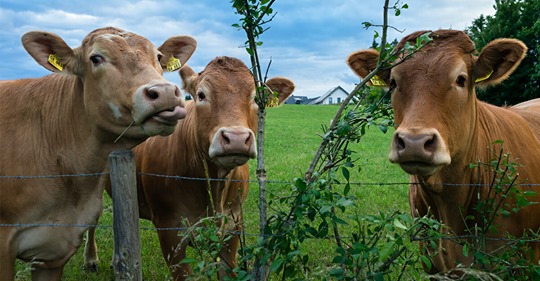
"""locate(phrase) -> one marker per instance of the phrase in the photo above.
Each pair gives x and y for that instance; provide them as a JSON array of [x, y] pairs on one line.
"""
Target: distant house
[[333, 96], [296, 99], [299, 100]]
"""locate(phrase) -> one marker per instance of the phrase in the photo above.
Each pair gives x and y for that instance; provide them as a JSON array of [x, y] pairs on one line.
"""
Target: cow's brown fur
[[228, 89], [433, 95], [66, 123]]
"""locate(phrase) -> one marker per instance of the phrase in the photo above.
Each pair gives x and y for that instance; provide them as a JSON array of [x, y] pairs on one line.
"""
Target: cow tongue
[[171, 116]]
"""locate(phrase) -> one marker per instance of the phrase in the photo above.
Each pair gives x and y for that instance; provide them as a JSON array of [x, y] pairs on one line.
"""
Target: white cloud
[[308, 41]]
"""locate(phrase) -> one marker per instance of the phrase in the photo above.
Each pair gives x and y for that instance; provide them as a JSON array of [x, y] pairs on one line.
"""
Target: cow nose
[[160, 91], [421, 144], [236, 140]]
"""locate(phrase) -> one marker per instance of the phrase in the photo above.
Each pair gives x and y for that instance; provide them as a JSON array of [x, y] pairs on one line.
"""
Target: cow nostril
[[176, 92], [399, 143], [431, 144], [152, 94], [225, 138]]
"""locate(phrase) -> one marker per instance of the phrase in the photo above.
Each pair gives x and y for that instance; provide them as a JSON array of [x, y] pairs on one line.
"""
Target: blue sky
[[308, 41]]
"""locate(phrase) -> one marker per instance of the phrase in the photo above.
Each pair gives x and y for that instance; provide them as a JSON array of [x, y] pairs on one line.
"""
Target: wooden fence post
[[127, 242]]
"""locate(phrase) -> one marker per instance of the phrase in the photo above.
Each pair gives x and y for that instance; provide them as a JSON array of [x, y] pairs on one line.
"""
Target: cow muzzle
[[419, 151], [158, 107], [232, 147]]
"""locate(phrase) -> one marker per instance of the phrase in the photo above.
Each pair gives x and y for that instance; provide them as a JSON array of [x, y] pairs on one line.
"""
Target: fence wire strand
[[232, 232]]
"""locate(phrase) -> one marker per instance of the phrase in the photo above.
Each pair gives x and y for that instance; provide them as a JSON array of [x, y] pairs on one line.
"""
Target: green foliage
[[511, 260], [513, 19], [380, 248], [207, 241], [252, 13]]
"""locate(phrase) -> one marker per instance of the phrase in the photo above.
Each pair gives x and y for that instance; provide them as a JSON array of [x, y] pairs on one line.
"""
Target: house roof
[[327, 94]]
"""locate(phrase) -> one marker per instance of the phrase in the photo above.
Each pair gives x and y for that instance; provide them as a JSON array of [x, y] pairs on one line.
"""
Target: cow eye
[[96, 59], [201, 96], [159, 56], [461, 80]]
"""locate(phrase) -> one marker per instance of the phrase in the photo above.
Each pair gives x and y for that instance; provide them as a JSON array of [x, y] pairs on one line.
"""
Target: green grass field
[[292, 137]]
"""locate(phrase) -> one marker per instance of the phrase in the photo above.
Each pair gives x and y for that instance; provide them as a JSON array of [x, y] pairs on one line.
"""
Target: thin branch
[[263, 14], [308, 175]]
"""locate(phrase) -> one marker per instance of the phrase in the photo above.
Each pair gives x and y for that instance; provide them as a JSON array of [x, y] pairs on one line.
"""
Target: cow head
[[225, 110], [433, 95], [120, 75]]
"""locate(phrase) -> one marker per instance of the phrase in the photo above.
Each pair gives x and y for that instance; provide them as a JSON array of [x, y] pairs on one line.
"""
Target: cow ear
[[284, 88], [363, 62], [49, 50], [176, 52], [497, 61], [188, 79]]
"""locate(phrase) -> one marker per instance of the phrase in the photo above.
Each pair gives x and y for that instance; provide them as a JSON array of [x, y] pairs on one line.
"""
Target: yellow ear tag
[[173, 64], [272, 101], [55, 61], [480, 79], [377, 81]]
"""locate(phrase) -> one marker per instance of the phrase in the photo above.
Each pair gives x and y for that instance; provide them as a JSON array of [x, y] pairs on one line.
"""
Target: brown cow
[[215, 140], [68, 123], [441, 127]]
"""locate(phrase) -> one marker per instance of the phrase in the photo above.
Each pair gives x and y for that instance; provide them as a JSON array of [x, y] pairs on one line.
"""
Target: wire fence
[[102, 226]]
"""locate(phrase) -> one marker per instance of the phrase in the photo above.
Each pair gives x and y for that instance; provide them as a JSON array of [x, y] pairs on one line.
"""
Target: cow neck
[[190, 156], [66, 127], [448, 192]]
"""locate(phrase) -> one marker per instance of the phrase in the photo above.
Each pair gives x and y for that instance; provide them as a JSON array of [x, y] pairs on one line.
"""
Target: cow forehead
[[448, 51], [227, 75], [114, 38], [433, 66]]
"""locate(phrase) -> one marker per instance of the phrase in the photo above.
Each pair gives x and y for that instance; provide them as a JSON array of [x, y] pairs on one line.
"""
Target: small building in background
[[335, 95], [299, 100]]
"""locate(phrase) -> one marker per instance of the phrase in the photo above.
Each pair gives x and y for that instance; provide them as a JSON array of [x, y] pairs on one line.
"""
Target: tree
[[513, 19]]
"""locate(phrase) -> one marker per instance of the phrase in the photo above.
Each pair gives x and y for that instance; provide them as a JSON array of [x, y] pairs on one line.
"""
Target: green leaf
[[398, 224], [529, 193], [385, 251], [339, 221], [337, 272], [188, 260], [466, 250], [345, 173], [347, 189], [276, 264], [426, 262], [344, 202]]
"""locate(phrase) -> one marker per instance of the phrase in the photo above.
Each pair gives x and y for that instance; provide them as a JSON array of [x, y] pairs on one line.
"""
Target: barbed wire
[[98, 174], [247, 234], [56, 176]]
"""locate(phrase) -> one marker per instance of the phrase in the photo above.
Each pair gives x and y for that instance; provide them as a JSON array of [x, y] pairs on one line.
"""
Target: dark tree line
[[518, 19]]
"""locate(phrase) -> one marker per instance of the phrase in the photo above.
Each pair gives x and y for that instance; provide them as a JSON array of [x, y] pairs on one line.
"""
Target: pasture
[[292, 137]]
